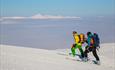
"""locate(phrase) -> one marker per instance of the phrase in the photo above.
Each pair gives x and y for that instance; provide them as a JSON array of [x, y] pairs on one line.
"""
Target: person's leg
[[95, 54], [73, 50], [81, 50], [86, 52]]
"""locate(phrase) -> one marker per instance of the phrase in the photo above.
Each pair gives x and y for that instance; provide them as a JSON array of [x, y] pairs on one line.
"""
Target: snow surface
[[23, 58]]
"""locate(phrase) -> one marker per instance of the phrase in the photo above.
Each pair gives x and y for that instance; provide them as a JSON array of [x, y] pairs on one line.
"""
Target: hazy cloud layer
[[40, 16]]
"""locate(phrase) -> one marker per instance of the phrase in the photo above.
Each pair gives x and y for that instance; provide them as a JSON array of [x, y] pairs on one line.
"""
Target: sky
[[57, 7]]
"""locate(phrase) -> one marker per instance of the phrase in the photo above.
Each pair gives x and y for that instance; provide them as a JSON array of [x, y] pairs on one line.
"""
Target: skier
[[91, 47], [77, 44]]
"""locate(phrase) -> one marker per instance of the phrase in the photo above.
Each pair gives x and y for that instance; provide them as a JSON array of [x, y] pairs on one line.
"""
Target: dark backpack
[[96, 39]]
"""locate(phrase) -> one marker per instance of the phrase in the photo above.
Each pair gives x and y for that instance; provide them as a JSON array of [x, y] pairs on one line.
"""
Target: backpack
[[79, 38], [82, 38], [92, 41], [97, 40]]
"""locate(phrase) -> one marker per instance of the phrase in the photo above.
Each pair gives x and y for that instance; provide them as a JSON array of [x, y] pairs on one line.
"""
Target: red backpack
[[92, 41]]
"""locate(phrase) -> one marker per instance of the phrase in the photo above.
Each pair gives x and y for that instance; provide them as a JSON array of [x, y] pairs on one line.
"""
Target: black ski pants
[[91, 49]]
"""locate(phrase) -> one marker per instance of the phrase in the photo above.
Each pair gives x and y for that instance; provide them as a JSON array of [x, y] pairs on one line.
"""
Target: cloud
[[40, 16], [14, 17]]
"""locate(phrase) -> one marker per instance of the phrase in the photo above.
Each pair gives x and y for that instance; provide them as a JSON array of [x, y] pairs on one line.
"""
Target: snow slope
[[23, 58]]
